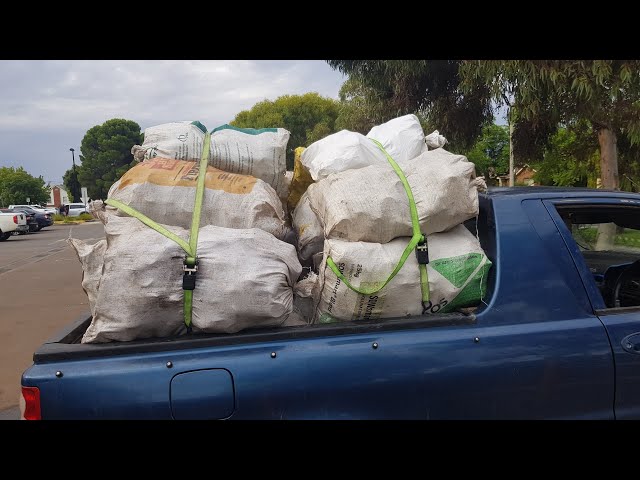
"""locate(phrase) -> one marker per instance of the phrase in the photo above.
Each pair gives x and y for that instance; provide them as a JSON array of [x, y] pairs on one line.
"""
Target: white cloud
[[49, 105]]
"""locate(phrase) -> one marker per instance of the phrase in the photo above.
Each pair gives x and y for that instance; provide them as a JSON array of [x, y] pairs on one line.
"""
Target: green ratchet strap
[[190, 266], [150, 223], [417, 240]]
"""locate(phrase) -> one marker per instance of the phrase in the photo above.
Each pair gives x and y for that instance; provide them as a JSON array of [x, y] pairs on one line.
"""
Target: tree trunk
[[606, 237], [610, 180], [608, 159], [512, 180]]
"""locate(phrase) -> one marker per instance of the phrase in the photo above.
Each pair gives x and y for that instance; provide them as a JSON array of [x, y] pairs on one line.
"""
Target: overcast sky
[[46, 107]]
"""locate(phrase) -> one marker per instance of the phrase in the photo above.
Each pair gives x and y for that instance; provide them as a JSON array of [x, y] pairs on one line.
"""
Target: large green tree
[[106, 155], [490, 153], [362, 107], [571, 158], [16, 185], [606, 93], [307, 117], [429, 88]]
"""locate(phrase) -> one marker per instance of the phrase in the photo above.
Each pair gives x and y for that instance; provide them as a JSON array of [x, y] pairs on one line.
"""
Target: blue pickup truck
[[556, 337]]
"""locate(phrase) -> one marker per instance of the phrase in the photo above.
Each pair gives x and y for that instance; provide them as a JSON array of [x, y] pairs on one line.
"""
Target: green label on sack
[[473, 292], [457, 269]]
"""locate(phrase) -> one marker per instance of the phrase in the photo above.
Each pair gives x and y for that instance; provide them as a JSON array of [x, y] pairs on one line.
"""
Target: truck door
[[603, 236]]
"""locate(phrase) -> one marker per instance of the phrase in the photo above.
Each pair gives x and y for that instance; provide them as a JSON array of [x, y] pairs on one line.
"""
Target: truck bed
[[66, 344]]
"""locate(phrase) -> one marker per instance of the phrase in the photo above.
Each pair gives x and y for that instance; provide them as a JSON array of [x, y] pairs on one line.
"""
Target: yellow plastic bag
[[300, 182]]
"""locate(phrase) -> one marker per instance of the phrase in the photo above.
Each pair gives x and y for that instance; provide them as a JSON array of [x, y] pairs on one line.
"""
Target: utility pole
[[76, 186]]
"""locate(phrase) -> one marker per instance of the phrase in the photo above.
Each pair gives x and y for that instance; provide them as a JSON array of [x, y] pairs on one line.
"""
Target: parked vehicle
[[43, 219], [32, 223], [23, 223], [76, 209], [9, 222], [51, 210], [37, 208], [556, 336]]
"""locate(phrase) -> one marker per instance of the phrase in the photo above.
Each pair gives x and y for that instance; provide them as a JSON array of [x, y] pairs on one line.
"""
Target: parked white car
[[38, 208], [76, 209]]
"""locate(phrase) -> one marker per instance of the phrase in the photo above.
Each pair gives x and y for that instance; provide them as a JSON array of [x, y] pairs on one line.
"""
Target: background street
[[40, 292]]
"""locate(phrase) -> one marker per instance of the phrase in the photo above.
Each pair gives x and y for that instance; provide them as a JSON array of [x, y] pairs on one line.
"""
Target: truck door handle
[[631, 343]]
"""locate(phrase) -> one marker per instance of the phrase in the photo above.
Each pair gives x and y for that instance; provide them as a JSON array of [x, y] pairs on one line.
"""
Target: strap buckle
[[422, 253], [189, 277], [189, 270]]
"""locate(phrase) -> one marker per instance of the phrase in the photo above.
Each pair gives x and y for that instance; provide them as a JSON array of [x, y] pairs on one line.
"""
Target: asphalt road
[[40, 292]]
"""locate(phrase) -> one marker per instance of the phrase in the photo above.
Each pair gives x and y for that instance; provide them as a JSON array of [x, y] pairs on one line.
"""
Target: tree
[[307, 117], [430, 88], [16, 185], [106, 155], [362, 108], [490, 153], [606, 93], [71, 184], [571, 159]]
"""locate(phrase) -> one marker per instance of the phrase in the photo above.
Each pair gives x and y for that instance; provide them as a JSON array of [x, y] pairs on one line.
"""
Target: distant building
[[523, 176], [58, 196]]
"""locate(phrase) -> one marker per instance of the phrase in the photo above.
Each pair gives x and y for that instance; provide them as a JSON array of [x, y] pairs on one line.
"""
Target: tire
[[4, 236]]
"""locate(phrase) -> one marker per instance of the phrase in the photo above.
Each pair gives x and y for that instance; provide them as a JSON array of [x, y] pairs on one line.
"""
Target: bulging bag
[[245, 280], [401, 137], [92, 259], [457, 271], [371, 204], [309, 232], [249, 151], [341, 151], [246, 151], [175, 140], [164, 190]]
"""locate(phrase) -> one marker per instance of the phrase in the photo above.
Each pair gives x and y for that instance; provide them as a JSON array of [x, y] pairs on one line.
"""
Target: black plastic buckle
[[189, 277], [422, 253]]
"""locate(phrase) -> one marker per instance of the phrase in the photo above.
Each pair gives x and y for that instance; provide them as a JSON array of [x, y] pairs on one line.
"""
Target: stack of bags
[[357, 213], [246, 272]]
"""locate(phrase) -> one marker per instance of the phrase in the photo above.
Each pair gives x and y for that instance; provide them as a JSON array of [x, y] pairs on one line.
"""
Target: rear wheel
[[4, 236]]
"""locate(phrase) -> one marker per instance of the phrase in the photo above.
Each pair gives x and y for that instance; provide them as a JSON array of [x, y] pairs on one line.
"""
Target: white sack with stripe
[[175, 140], [338, 152], [401, 137], [245, 280], [457, 272], [371, 205], [164, 190], [246, 151]]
